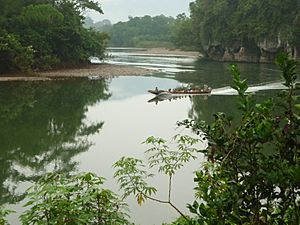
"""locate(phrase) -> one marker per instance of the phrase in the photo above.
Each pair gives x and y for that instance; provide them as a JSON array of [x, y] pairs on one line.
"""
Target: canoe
[[156, 91], [180, 92]]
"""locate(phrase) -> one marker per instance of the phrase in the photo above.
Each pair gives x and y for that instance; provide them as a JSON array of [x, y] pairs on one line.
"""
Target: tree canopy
[[143, 31], [42, 34], [258, 26]]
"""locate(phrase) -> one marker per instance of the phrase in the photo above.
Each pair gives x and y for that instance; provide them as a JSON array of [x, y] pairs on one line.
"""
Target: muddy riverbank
[[92, 71], [99, 70]]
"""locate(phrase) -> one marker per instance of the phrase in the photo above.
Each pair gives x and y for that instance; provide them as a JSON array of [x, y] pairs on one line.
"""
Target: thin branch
[[170, 187], [171, 204], [157, 200], [174, 207]]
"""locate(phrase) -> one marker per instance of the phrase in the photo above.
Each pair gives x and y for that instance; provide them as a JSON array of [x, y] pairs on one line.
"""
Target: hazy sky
[[119, 10]]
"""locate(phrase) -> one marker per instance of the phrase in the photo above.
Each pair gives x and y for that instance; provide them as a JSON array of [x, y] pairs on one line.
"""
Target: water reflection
[[217, 74], [173, 97], [42, 127]]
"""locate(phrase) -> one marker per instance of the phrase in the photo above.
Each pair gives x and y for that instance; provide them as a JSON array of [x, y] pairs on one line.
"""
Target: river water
[[87, 125]]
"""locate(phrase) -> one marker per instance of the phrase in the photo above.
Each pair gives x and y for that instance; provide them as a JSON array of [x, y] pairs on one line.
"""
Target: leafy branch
[[3, 214], [79, 199], [131, 173]]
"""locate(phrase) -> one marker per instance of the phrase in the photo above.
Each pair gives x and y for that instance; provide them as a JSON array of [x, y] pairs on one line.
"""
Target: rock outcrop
[[253, 52]]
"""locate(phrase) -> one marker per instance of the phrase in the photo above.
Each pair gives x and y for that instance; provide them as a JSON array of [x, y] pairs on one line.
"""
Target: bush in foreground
[[78, 199]]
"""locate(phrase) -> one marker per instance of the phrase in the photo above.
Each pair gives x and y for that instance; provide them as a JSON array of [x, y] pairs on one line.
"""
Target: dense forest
[[223, 30], [43, 34], [248, 30], [143, 31], [147, 31]]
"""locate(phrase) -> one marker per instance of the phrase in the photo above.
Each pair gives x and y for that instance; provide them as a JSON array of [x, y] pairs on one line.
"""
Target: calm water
[[87, 125]]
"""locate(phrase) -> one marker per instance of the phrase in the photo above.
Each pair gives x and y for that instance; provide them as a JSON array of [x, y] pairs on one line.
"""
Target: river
[[87, 125]]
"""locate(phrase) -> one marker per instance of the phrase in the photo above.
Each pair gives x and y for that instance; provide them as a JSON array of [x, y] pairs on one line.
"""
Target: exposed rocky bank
[[253, 52]]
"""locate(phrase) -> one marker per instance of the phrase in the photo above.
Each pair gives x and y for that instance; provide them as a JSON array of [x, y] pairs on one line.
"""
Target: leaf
[[29, 203], [297, 106], [140, 199], [88, 177]]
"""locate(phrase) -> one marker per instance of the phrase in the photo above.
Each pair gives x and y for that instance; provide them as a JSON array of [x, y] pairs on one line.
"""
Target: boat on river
[[164, 96], [182, 91]]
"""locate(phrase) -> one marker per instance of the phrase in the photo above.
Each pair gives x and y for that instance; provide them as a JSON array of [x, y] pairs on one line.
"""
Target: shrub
[[252, 173], [78, 199], [3, 214]]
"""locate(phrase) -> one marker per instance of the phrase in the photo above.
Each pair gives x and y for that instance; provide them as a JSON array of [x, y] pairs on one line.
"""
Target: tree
[[143, 31], [13, 55], [183, 37], [262, 28], [52, 30], [38, 25], [133, 177]]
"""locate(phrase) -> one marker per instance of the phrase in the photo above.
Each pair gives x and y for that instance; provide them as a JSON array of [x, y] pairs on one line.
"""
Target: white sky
[[119, 10]]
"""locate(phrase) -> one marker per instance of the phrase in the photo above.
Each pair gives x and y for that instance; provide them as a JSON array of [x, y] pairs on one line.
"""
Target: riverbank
[[99, 70], [161, 52], [92, 71]]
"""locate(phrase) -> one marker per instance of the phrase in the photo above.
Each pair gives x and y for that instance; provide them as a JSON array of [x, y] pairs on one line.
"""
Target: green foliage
[[143, 32], [180, 221], [40, 17], [245, 100], [3, 214], [228, 25], [131, 178], [91, 44], [79, 199], [132, 175], [169, 161], [13, 55], [88, 4], [44, 34], [182, 35], [37, 25], [288, 68], [252, 171]]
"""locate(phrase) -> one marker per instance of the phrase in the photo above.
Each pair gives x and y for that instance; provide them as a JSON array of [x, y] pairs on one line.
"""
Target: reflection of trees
[[42, 127], [203, 109], [217, 74]]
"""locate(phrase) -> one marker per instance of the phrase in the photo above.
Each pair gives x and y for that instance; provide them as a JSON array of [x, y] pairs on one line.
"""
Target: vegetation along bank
[[222, 30], [43, 35]]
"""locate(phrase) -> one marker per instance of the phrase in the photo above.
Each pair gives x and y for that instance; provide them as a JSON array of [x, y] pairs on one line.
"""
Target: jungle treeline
[[246, 30], [45, 34], [224, 30], [147, 31]]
